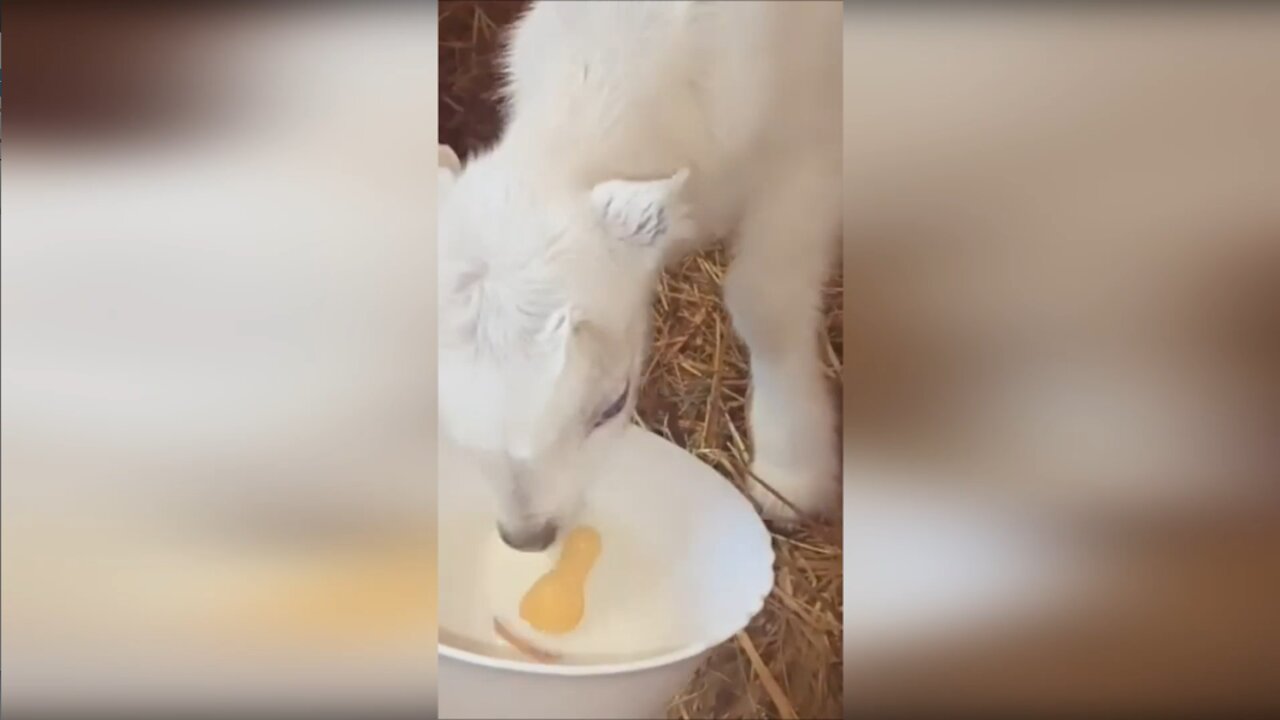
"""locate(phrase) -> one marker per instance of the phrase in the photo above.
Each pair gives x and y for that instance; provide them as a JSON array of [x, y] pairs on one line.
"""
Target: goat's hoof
[[808, 494]]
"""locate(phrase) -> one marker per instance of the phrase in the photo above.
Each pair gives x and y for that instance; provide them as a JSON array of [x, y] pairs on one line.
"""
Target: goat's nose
[[531, 538]]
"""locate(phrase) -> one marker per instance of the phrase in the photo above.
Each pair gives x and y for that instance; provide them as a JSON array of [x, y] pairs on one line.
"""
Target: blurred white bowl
[[927, 566], [685, 564]]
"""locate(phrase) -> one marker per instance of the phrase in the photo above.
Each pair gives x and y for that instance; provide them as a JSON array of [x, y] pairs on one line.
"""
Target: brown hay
[[788, 661]]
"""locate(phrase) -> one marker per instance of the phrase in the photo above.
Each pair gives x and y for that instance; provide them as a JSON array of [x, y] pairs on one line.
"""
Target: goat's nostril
[[535, 538]]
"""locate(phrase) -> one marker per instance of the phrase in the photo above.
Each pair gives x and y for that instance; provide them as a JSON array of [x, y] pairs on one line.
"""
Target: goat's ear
[[644, 212], [555, 334], [448, 166], [559, 325], [460, 286]]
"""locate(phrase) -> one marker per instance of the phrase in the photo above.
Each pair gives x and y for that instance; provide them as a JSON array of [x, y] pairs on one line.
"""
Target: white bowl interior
[[685, 562]]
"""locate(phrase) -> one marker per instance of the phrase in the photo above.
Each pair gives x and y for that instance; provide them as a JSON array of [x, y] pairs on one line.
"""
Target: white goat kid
[[637, 131]]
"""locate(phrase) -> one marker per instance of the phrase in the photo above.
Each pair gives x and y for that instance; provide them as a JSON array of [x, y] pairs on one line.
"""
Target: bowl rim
[[615, 668], [670, 657]]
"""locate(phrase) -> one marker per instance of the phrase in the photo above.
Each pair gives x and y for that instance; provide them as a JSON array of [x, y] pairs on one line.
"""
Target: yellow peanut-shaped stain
[[556, 602]]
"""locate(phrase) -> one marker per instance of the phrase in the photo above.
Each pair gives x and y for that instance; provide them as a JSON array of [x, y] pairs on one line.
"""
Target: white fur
[[639, 131]]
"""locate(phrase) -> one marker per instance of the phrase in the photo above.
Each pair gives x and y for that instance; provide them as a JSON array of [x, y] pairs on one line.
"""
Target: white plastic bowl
[[685, 564]]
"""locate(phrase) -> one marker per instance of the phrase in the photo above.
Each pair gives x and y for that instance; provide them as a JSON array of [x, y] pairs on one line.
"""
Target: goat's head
[[544, 318]]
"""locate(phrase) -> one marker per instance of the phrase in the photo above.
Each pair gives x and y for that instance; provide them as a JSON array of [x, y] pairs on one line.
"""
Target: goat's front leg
[[774, 292]]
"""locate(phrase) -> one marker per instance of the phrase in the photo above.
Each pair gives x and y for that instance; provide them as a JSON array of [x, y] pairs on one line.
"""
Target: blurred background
[[1062, 386], [218, 359]]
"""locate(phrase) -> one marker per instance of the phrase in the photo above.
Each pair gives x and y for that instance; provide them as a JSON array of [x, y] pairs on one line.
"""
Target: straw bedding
[[787, 663]]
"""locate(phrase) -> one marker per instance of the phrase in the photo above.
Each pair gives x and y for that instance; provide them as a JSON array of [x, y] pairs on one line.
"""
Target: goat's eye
[[614, 408]]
